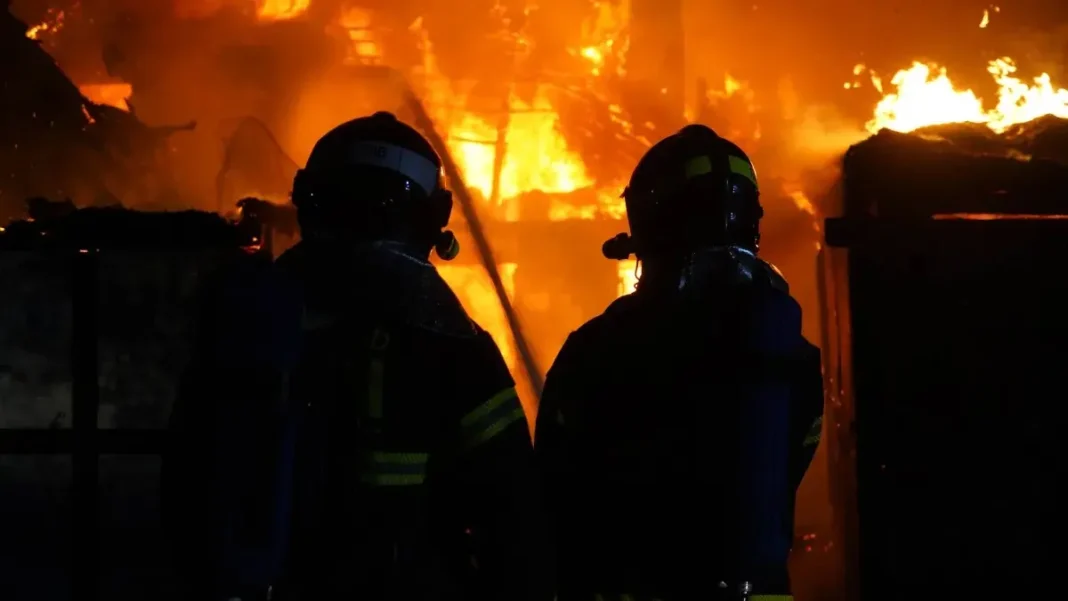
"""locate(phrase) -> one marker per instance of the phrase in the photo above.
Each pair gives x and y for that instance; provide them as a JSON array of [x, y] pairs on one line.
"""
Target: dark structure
[[944, 349], [114, 290]]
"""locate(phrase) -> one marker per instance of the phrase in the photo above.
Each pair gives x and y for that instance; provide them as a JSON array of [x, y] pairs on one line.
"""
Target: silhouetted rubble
[[59, 225], [958, 168], [150, 267]]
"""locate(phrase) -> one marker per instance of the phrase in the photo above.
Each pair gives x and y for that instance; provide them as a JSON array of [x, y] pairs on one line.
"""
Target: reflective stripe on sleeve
[[771, 598], [491, 418], [376, 374], [394, 469]]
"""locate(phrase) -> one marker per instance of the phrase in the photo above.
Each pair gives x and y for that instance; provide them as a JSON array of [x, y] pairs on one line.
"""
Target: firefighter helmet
[[375, 178], [691, 190]]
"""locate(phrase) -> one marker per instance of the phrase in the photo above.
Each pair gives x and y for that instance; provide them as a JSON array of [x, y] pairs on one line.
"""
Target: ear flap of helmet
[[441, 207], [301, 190]]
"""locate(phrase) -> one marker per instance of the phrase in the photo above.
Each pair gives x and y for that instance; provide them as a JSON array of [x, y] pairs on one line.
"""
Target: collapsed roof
[[54, 141]]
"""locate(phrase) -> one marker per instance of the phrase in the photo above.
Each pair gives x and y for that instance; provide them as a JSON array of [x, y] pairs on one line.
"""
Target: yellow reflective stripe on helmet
[[491, 418], [771, 598], [813, 436], [698, 166], [742, 167], [394, 469], [737, 165]]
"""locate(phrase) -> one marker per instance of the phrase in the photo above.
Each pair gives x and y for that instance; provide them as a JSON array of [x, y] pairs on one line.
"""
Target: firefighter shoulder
[[675, 427], [415, 474]]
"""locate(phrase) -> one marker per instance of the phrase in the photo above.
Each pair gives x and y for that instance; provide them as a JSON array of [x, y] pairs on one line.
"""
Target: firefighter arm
[[223, 475], [502, 492], [807, 424], [550, 433]]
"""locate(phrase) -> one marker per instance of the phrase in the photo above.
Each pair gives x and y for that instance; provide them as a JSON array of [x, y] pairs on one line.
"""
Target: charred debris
[[61, 226], [55, 142], [962, 168]]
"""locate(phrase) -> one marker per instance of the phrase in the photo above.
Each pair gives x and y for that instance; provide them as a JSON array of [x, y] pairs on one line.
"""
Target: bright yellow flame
[[926, 96], [281, 10], [985, 21], [629, 273], [536, 156]]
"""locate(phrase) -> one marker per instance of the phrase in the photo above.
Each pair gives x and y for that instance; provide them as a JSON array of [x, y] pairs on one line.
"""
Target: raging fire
[[606, 41], [516, 150], [363, 45], [925, 95], [281, 10], [535, 156]]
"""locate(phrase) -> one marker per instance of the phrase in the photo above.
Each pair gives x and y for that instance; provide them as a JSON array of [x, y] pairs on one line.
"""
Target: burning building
[[540, 112]]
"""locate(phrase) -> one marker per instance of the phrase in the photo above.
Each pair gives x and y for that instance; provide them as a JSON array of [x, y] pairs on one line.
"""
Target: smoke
[[820, 134]]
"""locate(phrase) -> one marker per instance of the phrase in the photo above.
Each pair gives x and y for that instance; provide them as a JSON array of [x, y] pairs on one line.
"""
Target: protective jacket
[[390, 457], [673, 432]]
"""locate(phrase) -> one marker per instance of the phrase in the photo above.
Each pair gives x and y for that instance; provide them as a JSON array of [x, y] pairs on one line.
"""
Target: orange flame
[[363, 47], [110, 94]]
